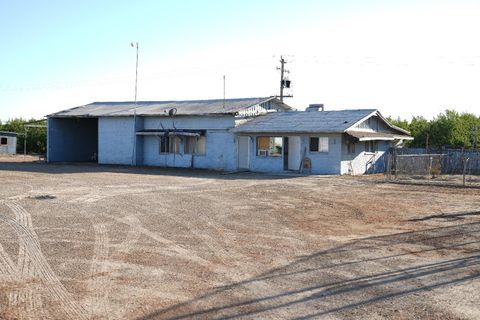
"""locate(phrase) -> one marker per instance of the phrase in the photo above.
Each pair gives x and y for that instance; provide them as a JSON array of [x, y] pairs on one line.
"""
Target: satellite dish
[[172, 112]]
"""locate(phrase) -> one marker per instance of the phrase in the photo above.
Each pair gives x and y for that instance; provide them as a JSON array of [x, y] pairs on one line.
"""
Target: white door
[[294, 153], [243, 152]]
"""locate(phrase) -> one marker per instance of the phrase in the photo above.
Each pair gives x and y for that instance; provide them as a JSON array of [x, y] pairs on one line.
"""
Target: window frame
[[196, 142], [372, 146], [351, 147], [318, 147], [267, 152], [2, 139]]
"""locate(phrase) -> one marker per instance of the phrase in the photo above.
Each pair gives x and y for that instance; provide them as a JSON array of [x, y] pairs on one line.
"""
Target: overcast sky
[[404, 58]]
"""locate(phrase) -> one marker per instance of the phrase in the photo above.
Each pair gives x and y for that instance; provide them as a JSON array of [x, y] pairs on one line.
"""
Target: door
[[285, 153], [243, 152], [294, 153]]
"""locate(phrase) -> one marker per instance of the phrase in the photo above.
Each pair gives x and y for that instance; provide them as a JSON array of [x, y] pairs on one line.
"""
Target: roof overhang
[[8, 134], [372, 136], [187, 133]]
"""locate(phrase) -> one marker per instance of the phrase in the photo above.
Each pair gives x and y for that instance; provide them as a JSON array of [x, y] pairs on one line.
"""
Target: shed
[[8, 142]]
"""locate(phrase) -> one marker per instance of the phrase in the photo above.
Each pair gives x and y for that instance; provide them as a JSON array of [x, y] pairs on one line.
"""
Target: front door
[[243, 152], [294, 153]]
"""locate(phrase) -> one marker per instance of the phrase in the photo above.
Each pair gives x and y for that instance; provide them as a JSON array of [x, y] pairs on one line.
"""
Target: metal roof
[[161, 108], [8, 134], [301, 121]]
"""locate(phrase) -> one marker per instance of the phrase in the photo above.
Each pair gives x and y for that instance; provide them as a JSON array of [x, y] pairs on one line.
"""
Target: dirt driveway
[[94, 242]]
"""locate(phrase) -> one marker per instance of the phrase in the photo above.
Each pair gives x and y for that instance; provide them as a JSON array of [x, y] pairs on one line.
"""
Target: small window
[[3, 141], [318, 144], [370, 146], [350, 147], [169, 144], [269, 146], [195, 145], [164, 144]]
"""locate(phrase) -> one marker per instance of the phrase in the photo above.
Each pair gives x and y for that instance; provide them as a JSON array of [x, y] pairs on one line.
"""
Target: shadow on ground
[[85, 167], [355, 277]]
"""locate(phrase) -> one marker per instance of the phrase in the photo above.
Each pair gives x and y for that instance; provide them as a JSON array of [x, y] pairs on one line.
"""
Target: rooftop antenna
[[134, 153], [135, 45], [223, 91]]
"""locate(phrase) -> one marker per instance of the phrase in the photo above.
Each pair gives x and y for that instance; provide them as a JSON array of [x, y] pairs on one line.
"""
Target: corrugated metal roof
[[160, 108], [315, 121], [8, 134]]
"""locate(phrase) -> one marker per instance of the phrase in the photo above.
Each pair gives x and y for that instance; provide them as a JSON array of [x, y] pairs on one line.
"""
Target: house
[[8, 142], [318, 142], [193, 134], [257, 134]]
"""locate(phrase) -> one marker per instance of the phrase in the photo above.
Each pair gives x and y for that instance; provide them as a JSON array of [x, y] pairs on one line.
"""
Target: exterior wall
[[220, 153], [10, 147], [325, 162], [72, 139], [362, 162], [115, 140], [322, 162]]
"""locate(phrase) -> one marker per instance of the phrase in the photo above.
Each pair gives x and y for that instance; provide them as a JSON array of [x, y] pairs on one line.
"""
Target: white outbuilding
[[8, 142]]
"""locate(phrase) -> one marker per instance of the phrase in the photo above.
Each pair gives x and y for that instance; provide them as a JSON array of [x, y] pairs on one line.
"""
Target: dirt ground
[[104, 242]]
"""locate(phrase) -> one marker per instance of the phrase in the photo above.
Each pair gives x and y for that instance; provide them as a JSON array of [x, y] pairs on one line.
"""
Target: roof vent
[[315, 107]]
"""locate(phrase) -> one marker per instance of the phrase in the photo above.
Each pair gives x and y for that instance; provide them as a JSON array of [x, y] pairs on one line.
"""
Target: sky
[[405, 58]]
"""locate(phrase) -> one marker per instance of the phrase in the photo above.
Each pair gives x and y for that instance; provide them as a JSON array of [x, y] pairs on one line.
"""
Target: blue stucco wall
[[362, 162], [72, 139], [322, 162]]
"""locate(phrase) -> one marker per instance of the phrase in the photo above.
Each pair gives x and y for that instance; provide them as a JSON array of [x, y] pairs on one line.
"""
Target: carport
[[72, 139]]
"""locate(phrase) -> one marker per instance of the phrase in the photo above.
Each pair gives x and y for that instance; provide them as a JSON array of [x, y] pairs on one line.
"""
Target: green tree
[[36, 137]]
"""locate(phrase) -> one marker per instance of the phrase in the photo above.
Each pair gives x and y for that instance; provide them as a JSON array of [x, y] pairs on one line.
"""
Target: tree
[[36, 137]]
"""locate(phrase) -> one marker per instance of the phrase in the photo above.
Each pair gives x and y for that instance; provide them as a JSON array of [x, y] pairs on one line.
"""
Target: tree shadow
[[349, 276]]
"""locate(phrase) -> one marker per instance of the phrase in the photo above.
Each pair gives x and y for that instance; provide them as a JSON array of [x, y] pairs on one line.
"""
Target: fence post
[[465, 160]]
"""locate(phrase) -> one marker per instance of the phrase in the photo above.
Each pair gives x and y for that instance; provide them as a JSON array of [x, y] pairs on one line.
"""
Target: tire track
[[24, 264], [7, 267], [39, 263], [98, 284]]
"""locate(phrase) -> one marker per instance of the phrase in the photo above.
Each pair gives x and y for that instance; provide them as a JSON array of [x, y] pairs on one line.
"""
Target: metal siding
[[11, 146]]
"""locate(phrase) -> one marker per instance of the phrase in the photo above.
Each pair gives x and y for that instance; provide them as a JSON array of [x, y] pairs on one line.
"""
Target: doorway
[[294, 153], [243, 152]]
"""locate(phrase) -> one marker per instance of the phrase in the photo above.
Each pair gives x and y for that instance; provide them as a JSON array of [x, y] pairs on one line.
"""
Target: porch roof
[[370, 135]]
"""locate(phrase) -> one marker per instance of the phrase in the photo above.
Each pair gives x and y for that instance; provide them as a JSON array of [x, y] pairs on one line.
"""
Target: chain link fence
[[442, 167]]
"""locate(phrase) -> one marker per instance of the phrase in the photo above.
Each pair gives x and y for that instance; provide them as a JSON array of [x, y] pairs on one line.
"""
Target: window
[[3, 141], [169, 144], [195, 145], [269, 146], [318, 144], [370, 146], [350, 147]]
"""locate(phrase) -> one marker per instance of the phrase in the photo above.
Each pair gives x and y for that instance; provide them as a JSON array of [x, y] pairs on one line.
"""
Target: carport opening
[[73, 139]]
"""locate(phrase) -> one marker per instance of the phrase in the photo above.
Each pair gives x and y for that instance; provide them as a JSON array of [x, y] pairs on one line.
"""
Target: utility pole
[[284, 83], [223, 91], [134, 153]]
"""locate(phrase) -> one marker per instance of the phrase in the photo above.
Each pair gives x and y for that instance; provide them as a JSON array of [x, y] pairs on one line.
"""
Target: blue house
[[256, 134]]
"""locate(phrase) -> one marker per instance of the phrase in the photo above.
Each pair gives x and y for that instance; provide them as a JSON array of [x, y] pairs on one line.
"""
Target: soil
[[81, 241]]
